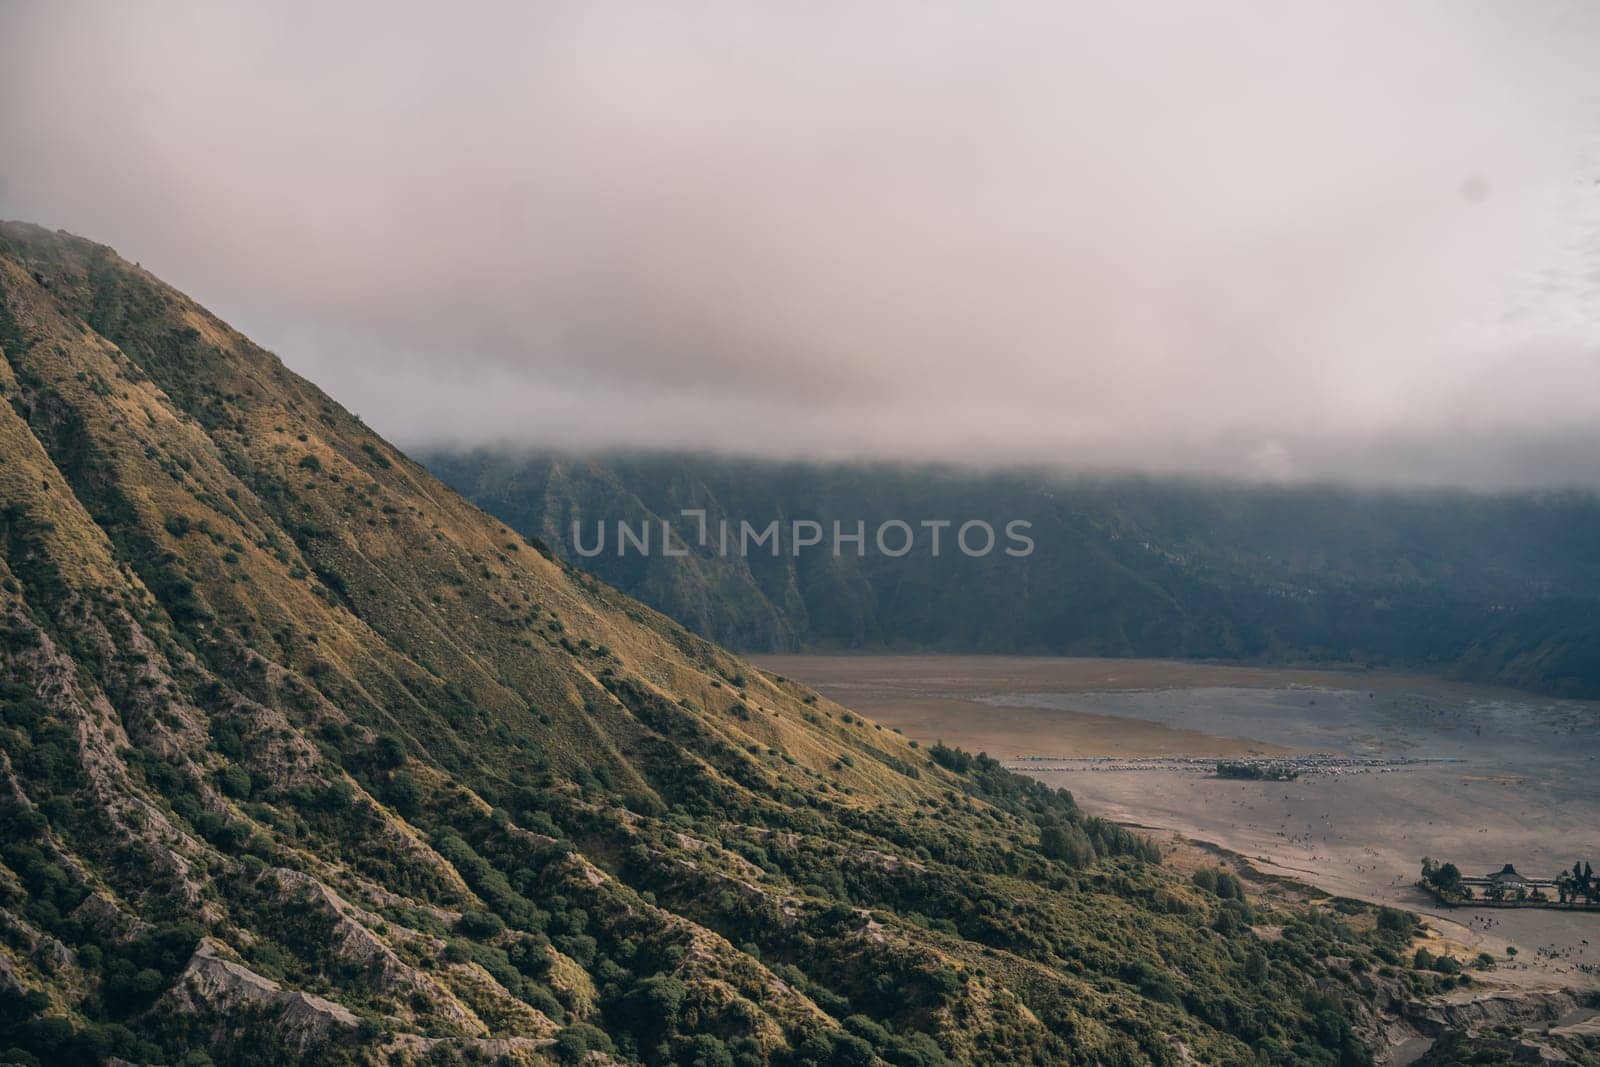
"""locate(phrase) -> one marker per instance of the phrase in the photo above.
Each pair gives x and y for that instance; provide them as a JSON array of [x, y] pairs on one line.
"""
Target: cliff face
[[303, 756]]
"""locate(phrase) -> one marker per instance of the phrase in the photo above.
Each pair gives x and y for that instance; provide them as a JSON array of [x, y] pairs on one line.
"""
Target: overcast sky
[[1273, 240]]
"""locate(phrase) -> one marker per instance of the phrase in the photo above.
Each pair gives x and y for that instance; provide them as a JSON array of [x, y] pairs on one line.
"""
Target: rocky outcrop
[[212, 985], [1432, 1027], [105, 917], [1460, 1047], [351, 938], [1486, 1010]]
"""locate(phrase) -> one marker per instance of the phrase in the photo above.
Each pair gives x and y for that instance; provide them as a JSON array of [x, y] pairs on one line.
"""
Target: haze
[[1286, 241]]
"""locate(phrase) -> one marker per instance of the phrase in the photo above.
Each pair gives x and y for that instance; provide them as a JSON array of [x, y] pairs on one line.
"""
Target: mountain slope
[[1493, 588], [304, 757]]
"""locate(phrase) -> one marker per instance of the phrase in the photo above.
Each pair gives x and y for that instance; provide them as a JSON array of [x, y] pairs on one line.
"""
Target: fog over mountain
[[1356, 241]]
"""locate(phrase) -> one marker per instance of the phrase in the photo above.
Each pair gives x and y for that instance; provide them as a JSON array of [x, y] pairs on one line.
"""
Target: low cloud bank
[[1357, 241]]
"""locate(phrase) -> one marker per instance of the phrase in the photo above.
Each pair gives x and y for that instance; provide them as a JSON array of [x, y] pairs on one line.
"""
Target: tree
[[480, 925], [388, 752], [704, 1050], [577, 1040], [1397, 922], [1446, 878], [1066, 843], [653, 1007]]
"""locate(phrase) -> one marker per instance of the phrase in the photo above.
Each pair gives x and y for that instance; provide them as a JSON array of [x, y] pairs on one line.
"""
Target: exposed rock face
[[215, 987], [1513, 1024], [102, 914], [1488, 1010], [1462, 1047]]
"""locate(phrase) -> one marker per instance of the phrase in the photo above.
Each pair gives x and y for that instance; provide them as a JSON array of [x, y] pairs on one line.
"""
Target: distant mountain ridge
[[1500, 588]]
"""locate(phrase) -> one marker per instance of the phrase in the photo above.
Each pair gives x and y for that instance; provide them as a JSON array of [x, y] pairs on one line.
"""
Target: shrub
[[575, 1041], [480, 925], [234, 780]]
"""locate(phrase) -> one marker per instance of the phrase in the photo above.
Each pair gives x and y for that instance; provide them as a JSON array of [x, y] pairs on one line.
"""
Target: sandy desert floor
[[1476, 776]]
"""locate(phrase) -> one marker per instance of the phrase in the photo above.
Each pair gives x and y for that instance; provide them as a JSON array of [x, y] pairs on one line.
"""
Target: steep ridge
[[303, 756]]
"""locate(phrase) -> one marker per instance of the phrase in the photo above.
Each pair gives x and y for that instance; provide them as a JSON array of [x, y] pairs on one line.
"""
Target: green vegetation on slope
[[1497, 589], [303, 757]]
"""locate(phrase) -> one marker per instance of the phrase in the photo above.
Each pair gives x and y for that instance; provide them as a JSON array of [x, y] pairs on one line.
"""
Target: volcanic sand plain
[[1415, 766]]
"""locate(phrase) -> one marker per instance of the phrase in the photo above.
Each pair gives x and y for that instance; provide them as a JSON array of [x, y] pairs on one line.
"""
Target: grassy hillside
[[302, 757], [1490, 588]]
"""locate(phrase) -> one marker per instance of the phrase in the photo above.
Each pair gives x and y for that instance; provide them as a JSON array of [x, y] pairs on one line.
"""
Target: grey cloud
[[1287, 240]]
